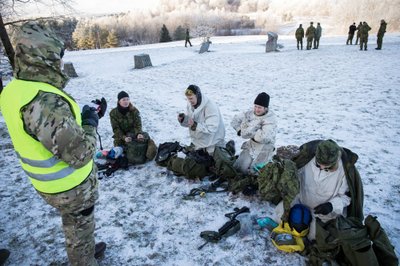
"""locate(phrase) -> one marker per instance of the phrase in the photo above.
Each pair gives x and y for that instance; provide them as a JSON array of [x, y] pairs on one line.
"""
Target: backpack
[[300, 218], [165, 151], [136, 150], [348, 242]]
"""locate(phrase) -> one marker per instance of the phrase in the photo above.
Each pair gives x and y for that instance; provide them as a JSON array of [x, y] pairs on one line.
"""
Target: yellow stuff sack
[[287, 239]]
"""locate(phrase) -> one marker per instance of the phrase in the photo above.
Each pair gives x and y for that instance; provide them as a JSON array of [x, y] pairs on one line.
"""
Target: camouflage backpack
[[136, 150], [278, 181]]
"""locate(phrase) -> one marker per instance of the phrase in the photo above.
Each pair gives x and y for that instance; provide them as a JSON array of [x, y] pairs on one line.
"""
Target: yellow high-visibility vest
[[47, 173]]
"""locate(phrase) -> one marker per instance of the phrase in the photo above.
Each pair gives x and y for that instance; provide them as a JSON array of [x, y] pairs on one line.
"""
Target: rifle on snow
[[228, 229]]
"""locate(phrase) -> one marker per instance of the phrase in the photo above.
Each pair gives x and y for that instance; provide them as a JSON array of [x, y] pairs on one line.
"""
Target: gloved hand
[[181, 117], [250, 190], [102, 106], [323, 208], [239, 133], [89, 116]]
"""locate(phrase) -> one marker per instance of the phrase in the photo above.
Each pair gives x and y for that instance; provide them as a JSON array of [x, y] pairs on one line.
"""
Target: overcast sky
[[106, 6]]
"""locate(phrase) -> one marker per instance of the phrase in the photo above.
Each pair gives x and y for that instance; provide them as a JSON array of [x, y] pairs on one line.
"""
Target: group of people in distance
[[362, 34], [313, 34]]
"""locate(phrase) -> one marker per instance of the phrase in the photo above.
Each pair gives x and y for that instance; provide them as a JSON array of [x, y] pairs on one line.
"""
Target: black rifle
[[228, 229]]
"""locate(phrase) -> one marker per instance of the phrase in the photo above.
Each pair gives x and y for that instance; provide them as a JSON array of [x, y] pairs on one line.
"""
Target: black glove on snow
[[89, 116], [323, 208], [102, 106], [239, 133], [181, 117]]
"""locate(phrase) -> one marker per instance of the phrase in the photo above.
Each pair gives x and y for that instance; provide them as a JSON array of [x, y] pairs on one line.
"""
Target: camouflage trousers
[[77, 212]]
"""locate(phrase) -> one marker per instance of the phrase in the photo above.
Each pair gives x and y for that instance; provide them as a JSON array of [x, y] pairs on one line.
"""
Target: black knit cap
[[262, 99], [122, 94]]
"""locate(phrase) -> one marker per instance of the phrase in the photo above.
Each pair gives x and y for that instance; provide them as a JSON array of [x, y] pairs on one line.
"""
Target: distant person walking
[[187, 38], [358, 32], [352, 30], [364, 35], [318, 33], [310, 34], [299, 36], [381, 32]]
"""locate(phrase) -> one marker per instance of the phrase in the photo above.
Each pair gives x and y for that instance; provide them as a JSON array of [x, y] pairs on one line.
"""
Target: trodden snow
[[335, 92]]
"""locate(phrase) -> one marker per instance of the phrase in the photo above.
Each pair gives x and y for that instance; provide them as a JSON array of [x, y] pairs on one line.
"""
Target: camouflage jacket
[[318, 32], [365, 28], [382, 30], [356, 192], [310, 33], [299, 33], [49, 119], [128, 125]]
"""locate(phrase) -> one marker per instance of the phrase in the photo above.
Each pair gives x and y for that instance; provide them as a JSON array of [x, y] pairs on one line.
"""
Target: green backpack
[[136, 150]]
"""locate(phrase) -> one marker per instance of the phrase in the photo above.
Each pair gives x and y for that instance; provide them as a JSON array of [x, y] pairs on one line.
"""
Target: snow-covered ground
[[334, 92]]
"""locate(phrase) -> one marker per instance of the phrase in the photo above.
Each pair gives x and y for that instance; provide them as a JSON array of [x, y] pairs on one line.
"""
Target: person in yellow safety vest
[[54, 142]]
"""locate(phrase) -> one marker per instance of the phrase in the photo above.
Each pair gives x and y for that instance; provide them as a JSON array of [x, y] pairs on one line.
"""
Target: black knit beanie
[[262, 99], [122, 94]]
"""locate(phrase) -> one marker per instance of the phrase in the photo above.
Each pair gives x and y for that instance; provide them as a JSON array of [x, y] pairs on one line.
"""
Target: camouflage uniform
[[364, 35], [381, 32], [318, 32], [310, 34], [358, 32], [299, 36], [129, 125], [352, 29], [48, 118]]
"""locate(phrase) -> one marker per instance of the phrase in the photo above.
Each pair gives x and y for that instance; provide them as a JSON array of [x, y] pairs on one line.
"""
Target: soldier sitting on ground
[[127, 128], [207, 153], [258, 127]]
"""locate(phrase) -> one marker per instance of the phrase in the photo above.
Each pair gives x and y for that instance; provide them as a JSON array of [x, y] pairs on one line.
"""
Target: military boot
[[99, 250], [4, 254]]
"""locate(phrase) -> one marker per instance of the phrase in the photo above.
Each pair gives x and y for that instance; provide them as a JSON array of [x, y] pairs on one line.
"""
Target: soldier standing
[[358, 32], [381, 32], [364, 35], [352, 30], [187, 38], [310, 33], [318, 32], [299, 36], [55, 143]]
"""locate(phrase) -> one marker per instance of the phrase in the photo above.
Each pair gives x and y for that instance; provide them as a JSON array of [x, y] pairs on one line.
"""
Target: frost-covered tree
[[112, 39], [179, 33], [164, 34]]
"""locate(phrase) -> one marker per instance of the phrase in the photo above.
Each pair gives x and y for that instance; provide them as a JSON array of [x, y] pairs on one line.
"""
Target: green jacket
[[356, 192], [128, 125]]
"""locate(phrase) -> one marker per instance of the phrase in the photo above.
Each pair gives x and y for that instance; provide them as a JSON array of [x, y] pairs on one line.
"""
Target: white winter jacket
[[210, 129], [261, 132]]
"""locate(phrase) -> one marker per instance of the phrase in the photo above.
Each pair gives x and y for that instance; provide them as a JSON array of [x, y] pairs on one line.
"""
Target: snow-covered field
[[334, 92]]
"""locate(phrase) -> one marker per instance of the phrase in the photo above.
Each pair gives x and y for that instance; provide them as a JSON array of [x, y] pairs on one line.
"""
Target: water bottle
[[246, 227], [266, 222]]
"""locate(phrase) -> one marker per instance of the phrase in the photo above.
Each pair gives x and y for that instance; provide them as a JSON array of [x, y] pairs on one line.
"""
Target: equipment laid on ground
[[229, 228]]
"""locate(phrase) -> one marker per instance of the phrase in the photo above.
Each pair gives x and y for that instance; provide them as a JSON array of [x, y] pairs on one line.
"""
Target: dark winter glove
[[194, 126], [239, 133], [323, 208], [89, 116], [181, 117], [250, 190], [102, 106]]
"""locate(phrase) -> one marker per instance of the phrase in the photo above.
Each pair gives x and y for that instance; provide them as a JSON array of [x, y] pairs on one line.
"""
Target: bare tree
[[9, 9]]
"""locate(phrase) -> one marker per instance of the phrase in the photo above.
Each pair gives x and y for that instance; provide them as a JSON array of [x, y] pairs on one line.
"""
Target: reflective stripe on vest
[[47, 173]]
